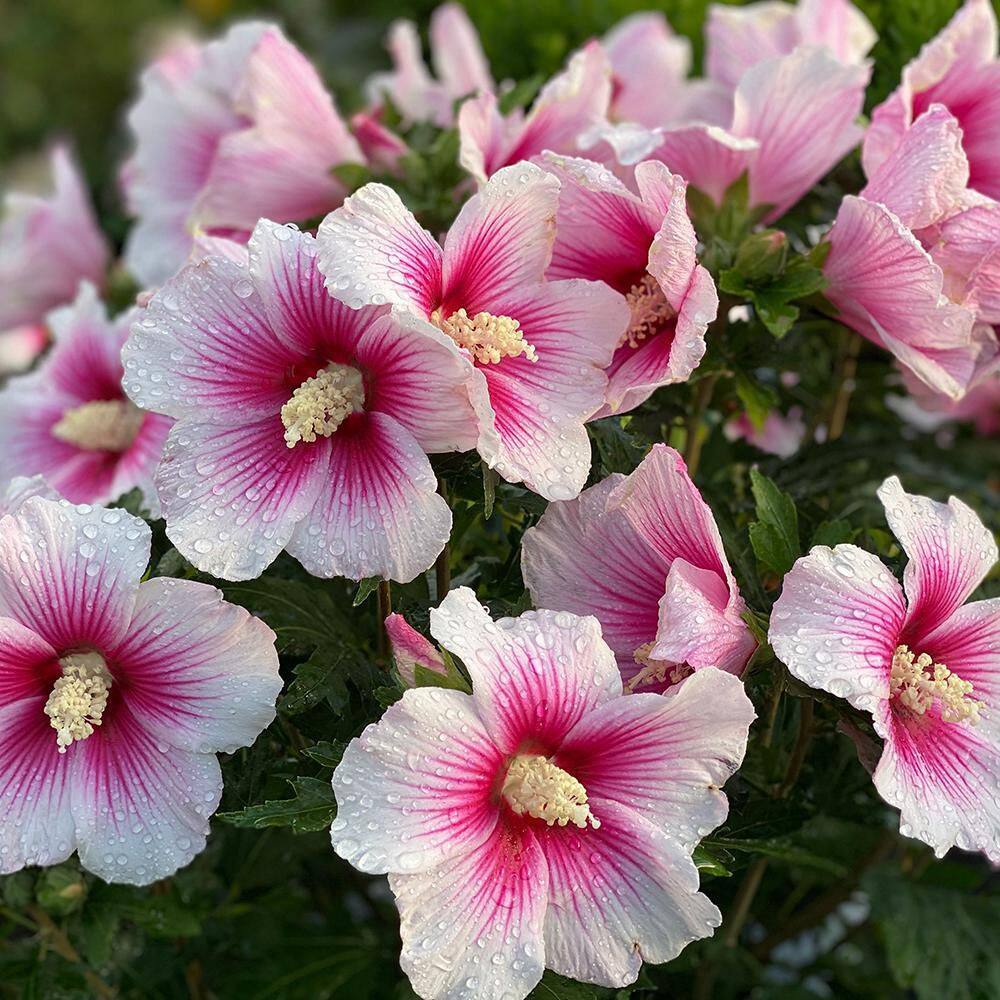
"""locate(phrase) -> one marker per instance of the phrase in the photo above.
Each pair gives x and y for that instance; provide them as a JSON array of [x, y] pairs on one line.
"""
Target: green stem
[[384, 610], [846, 381], [694, 439]]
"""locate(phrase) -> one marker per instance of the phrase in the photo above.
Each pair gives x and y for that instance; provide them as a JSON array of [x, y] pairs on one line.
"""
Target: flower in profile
[[48, 245], [411, 650], [737, 38], [301, 424], [459, 62], [914, 262], [958, 69], [115, 696], [923, 662], [226, 133], [537, 349], [70, 420], [568, 107], [644, 246], [643, 555], [544, 820]]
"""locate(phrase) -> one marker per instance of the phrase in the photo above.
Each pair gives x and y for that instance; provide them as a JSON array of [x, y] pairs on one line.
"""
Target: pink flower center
[[917, 682], [536, 787], [655, 671], [488, 338], [101, 425], [649, 308], [322, 403], [79, 697]]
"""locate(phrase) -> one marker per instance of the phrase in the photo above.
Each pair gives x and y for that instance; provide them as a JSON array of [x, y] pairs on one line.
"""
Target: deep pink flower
[[643, 555], [544, 820], [459, 62], [227, 133], [115, 696], [920, 660], [960, 70], [644, 246], [301, 424], [737, 38], [568, 107], [915, 261], [411, 650], [781, 434], [537, 349], [70, 421], [793, 119], [48, 245]]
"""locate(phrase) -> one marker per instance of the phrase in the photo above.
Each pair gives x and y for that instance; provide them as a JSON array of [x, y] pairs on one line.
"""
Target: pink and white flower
[[644, 246], [115, 696], [923, 662], [544, 820], [411, 650], [568, 107], [959, 69], [737, 38], [980, 406], [70, 420], [226, 133], [22, 488], [793, 119], [302, 424], [459, 62], [781, 434], [48, 245], [536, 350], [914, 261], [643, 555]]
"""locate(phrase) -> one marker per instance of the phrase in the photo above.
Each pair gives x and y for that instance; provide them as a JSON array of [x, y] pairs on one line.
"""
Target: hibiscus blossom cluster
[[331, 323]]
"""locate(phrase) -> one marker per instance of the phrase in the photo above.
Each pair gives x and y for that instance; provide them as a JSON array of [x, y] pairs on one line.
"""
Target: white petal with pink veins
[[950, 551], [619, 895], [535, 675], [472, 928], [666, 756], [141, 808], [377, 512], [415, 790], [202, 674], [838, 622], [71, 573]]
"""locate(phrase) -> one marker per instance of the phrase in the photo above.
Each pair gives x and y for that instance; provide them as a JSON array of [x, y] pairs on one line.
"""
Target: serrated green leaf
[[775, 533], [326, 754], [555, 987], [366, 588], [323, 676], [777, 315], [833, 533], [313, 807], [758, 399]]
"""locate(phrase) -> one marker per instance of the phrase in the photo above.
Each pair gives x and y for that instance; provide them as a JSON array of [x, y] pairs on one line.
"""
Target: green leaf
[[779, 850], [833, 533], [323, 676], [312, 808], [489, 491], [453, 679], [352, 175], [710, 862], [775, 533], [161, 916], [758, 399], [366, 588], [61, 890], [521, 94], [326, 754], [554, 987], [618, 449], [777, 315]]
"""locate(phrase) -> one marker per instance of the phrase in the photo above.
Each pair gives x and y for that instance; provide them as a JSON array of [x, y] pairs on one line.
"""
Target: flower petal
[[204, 348], [201, 674], [378, 512], [501, 240], [456, 52], [968, 643], [27, 662], [416, 789], [665, 756], [232, 496], [838, 622], [534, 676], [141, 811], [619, 895], [70, 573], [708, 157], [36, 824], [372, 251], [737, 38], [949, 549], [472, 929]]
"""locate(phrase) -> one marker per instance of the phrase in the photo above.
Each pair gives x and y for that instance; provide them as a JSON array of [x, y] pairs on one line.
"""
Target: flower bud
[[411, 650], [762, 255]]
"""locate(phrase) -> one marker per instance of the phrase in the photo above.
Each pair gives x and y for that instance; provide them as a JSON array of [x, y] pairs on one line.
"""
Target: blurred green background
[[68, 67]]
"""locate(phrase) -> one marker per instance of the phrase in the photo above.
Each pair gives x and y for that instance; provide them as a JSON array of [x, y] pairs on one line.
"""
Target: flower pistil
[[534, 786], [79, 697], [488, 338], [649, 310], [917, 681], [322, 403]]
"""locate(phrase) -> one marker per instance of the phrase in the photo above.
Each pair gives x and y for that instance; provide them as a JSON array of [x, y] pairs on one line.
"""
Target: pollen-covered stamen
[[79, 697], [649, 310], [534, 786], [917, 681], [101, 425], [322, 403], [655, 671], [488, 338]]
